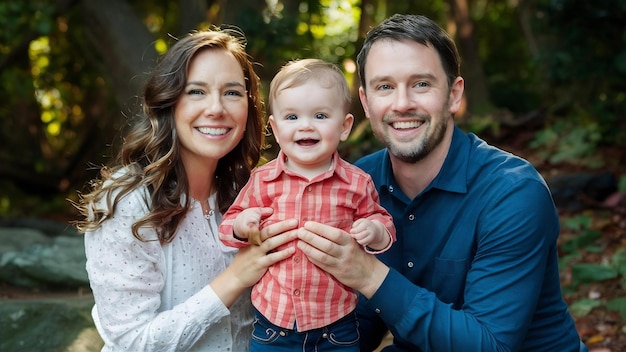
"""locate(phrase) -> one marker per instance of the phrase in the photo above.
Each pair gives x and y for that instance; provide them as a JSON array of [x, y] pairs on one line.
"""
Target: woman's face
[[211, 113]]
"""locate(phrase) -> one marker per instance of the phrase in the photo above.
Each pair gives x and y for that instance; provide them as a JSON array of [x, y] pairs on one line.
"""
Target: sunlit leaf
[[47, 116], [54, 128], [160, 46]]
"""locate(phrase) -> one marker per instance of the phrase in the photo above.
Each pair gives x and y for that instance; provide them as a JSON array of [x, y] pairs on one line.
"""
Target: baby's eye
[[291, 117], [320, 116]]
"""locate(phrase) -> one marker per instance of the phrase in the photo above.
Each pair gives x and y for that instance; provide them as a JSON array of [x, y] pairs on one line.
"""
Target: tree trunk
[[192, 12], [125, 43], [476, 91]]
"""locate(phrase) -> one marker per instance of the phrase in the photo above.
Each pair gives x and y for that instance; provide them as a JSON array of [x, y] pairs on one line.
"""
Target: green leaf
[[619, 260], [586, 238], [618, 305], [583, 306], [577, 222], [585, 273]]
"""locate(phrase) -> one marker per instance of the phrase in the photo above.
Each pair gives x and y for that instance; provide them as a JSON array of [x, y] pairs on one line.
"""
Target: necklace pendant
[[208, 215]]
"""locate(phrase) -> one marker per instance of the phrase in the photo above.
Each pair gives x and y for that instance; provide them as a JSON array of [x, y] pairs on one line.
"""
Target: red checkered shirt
[[295, 290]]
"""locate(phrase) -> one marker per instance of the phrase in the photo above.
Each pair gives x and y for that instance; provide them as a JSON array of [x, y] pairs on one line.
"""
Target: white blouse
[[150, 297]]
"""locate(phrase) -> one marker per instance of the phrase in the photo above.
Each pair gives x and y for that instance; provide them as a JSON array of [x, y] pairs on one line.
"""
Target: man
[[475, 265]]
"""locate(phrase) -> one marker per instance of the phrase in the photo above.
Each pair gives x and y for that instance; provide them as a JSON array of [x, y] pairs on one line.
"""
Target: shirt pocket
[[448, 280]]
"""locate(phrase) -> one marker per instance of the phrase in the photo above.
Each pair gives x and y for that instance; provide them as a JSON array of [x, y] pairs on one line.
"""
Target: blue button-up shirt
[[475, 264]]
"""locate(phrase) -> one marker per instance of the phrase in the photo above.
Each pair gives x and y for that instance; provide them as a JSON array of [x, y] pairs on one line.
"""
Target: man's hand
[[336, 252]]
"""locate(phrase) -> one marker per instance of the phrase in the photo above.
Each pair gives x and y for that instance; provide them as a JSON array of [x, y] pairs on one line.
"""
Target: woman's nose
[[214, 105]]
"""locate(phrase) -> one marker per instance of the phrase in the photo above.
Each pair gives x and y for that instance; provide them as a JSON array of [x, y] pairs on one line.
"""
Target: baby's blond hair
[[296, 72]]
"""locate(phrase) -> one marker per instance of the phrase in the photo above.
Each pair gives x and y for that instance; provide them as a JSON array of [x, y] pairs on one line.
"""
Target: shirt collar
[[453, 174], [280, 167]]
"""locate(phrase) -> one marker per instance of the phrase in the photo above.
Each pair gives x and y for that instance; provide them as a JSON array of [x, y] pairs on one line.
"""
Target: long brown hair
[[149, 155]]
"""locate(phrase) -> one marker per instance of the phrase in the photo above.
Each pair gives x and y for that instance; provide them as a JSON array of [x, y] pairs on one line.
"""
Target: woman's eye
[[234, 93], [195, 92]]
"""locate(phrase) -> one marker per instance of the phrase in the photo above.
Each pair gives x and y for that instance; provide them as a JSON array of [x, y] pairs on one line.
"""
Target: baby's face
[[309, 121]]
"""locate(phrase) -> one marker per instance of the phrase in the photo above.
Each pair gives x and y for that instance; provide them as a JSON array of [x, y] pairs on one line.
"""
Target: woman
[[161, 278]]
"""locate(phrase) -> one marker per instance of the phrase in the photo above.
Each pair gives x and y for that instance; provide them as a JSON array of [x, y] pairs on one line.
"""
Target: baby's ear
[[348, 121], [273, 127]]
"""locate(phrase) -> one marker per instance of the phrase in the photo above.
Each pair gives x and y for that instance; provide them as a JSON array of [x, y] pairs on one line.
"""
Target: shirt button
[[390, 188], [409, 264], [377, 310], [310, 189], [296, 292], [411, 217], [296, 259]]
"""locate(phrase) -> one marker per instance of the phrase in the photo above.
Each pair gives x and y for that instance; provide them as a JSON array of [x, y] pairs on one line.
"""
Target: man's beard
[[412, 154]]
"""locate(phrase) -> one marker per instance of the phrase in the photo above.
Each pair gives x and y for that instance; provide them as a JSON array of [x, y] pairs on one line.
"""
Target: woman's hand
[[252, 262], [336, 252]]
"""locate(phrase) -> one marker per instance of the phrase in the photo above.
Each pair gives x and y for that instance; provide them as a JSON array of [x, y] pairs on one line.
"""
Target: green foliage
[[585, 273], [583, 46], [612, 267], [509, 67], [619, 305], [584, 306], [570, 142]]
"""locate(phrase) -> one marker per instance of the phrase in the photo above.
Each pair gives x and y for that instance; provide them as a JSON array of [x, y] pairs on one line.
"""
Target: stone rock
[[29, 258], [38, 255], [56, 324]]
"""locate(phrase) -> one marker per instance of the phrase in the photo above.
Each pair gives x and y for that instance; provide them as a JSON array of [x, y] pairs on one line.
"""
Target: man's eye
[[320, 116], [422, 84], [291, 117], [384, 87]]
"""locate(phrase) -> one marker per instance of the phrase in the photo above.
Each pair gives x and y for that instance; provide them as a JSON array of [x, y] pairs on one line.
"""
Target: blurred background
[[545, 79]]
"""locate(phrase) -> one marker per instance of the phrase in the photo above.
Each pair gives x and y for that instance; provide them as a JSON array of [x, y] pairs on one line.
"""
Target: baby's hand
[[247, 224], [367, 232], [363, 231]]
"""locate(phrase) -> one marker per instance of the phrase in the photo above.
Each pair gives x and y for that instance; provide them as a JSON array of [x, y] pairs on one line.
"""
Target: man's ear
[[273, 126], [456, 95], [363, 99]]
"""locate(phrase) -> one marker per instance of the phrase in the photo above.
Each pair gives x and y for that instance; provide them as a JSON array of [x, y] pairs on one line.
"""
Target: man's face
[[407, 97]]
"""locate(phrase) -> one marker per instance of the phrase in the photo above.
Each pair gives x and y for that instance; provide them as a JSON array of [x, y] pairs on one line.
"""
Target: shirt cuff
[[392, 298], [208, 307], [370, 250]]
